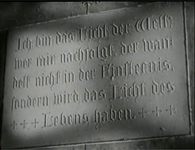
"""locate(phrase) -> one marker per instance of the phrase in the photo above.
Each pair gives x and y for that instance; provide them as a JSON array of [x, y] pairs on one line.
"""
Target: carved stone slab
[[113, 75]]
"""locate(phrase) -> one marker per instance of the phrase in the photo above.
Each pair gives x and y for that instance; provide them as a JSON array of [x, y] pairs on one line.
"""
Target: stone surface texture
[[16, 14]]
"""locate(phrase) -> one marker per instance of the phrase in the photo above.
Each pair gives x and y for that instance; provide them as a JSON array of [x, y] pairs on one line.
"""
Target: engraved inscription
[[88, 54], [64, 120], [157, 111], [65, 98], [99, 117], [93, 33], [162, 88], [35, 123], [151, 23], [115, 74], [24, 124], [43, 40], [23, 63], [129, 48], [130, 68], [171, 109], [29, 102], [121, 29], [54, 78], [143, 113], [127, 91], [23, 82], [24, 44], [13, 125], [66, 37], [45, 60], [111, 115], [86, 75], [153, 45], [93, 95]]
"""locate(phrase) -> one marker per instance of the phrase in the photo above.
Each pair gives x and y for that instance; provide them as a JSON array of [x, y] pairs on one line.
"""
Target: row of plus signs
[[24, 124], [171, 110]]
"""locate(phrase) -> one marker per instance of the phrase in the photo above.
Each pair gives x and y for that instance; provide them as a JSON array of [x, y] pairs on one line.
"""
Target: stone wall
[[14, 14]]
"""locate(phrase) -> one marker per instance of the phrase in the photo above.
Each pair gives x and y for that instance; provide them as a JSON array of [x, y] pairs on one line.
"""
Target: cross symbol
[[171, 109], [35, 123], [24, 124], [14, 124], [143, 112], [87, 4], [157, 111]]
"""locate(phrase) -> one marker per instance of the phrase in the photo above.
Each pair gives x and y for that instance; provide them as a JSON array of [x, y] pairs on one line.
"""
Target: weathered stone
[[100, 77]]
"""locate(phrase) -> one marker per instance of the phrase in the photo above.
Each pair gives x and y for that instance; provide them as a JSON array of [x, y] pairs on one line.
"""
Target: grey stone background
[[14, 14]]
